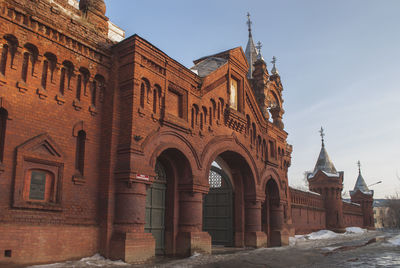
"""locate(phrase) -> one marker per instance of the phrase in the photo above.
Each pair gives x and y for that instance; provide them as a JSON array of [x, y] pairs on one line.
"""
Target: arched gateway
[[182, 204]]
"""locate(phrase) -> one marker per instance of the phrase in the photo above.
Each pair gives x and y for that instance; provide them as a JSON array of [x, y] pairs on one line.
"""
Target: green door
[[217, 212], [155, 209]]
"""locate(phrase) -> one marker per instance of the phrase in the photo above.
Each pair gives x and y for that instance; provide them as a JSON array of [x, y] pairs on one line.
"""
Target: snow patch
[[96, 260], [323, 234], [355, 230], [395, 240], [330, 248], [195, 254]]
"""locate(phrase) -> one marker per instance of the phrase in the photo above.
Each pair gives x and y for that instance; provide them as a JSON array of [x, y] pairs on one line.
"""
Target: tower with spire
[[363, 196], [328, 182], [251, 51], [267, 88]]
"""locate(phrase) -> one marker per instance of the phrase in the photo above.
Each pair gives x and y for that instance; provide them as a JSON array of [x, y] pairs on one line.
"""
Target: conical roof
[[324, 163], [360, 184]]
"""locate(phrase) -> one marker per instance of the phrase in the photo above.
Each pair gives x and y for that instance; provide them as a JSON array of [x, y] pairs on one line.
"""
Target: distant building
[[380, 213]]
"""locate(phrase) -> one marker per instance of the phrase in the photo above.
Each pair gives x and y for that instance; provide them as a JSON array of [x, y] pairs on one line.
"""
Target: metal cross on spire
[[273, 60], [322, 136], [249, 23], [259, 55], [259, 46], [274, 70], [359, 166]]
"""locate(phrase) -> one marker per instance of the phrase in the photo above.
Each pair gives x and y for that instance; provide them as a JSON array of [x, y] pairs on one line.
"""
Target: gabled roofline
[[138, 37], [224, 54]]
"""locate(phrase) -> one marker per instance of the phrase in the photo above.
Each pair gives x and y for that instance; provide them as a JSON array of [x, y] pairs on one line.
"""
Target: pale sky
[[339, 63]]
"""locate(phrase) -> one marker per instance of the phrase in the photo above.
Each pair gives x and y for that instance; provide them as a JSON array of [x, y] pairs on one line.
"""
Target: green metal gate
[[218, 209], [155, 209]]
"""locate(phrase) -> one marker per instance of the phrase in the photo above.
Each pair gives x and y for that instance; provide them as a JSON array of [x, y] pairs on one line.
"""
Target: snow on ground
[[325, 234], [355, 230], [96, 260], [395, 240]]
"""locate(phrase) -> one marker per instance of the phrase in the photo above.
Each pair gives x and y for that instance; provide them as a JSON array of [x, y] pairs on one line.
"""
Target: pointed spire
[[324, 163], [322, 136], [259, 56], [360, 183], [251, 51], [274, 70]]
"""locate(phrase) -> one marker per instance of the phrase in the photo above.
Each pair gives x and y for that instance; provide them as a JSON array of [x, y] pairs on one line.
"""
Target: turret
[[365, 197], [94, 11], [328, 182], [260, 82]]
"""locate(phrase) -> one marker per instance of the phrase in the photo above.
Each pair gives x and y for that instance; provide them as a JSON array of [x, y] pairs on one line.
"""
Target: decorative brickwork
[[85, 120]]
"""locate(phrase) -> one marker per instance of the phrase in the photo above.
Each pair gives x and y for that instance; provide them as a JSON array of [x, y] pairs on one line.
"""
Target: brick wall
[[30, 244], [308, 212]]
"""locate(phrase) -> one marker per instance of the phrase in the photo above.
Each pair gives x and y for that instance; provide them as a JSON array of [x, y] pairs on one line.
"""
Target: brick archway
[[246, 203]]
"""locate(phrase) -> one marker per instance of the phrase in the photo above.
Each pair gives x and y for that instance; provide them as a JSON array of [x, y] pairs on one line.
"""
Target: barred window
[[215, 179]]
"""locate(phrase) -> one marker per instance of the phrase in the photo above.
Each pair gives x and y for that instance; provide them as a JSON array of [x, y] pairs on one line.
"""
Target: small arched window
[[80, 152], [49, 65], [205, 115], [214, 108], [201, 121], [3, 125], [79, 87], [8, 48], [144, 89], [156, 98], [93, 92], [210, 116], [85, 76], [254, 132], [29, 60], [62, 81], [192, 117], [3, 62]]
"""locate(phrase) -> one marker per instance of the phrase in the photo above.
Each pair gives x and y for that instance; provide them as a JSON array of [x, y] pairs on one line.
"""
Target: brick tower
[[328, 182], [365, 197]]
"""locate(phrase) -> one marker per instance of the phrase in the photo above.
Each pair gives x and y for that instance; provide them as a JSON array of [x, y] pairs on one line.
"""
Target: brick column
[[191, 238], [129, 242], [279, 234], [254, 236]]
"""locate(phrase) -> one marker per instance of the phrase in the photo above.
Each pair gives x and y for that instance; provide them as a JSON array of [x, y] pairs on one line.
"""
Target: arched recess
[[158, 141], [246, 206], [218, 208], [219, 145], [163, 206], [272, 213]]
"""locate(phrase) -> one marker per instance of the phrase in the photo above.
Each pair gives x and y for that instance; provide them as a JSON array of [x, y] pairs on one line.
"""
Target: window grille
[[215, 179]]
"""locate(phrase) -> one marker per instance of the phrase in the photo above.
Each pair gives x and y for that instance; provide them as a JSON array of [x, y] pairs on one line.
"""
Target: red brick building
[[110, 146]]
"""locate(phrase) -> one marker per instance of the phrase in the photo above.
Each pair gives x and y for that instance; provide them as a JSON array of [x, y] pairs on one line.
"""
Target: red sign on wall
[[142, 177]]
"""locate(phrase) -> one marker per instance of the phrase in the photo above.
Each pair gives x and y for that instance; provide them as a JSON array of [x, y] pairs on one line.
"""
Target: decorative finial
[[259, 55], [274, 70], [249, 23], [322, 136], [359, 166]]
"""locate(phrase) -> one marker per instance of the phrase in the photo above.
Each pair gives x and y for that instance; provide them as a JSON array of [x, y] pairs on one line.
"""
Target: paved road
[[366, 250]]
